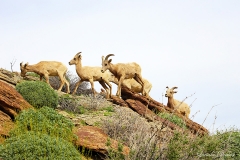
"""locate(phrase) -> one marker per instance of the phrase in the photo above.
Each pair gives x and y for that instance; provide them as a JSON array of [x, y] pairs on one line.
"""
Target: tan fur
[[132, 84], [180, 107], [46, 69], [123, 71], [90, 74]]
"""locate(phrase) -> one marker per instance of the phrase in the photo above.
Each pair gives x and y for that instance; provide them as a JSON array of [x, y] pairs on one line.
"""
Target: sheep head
[[106, 62], [170, 91], [23, 69], [76, 59]]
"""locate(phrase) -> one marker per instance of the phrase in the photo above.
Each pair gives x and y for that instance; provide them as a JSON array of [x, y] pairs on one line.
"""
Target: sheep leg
[[119, 86], [105, 87], [67, 84], [92, 85], [41, 78], [77, 84], [110, 88], [47, 80], [139, 79], [147, 90], [62, 82]]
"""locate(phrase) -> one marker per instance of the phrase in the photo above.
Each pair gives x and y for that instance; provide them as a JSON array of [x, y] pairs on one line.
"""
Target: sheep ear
[[26, 64], [110, 60], [21, 64], [167, 87], [175, 92], [102, 58]]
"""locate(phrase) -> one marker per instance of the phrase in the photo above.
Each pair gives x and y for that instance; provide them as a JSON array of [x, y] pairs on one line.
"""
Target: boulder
[[12, 78], [141, 109], [7, 77], [147, 107], [94, 139], [11, 102], [118, 101]]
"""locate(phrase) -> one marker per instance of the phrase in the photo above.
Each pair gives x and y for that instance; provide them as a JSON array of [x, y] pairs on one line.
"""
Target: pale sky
[[192, 44]]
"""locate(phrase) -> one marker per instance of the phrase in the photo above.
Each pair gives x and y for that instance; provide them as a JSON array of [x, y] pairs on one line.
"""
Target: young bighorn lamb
[[133, 85], [180, 107], [46, 69], [90, 74], [123, 71]]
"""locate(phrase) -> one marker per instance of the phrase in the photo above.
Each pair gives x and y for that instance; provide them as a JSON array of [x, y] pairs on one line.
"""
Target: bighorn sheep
[[133, 85], [123, 71], [180, 107], [46, 69], [90, 74]]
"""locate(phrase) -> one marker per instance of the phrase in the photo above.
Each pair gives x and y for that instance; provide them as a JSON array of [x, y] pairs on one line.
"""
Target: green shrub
[[33, 74], [173, 118], [231, 142], [34, 146], [113, 153], [222, 145], [45, 120], [38, 93], [108, 109], [176, 146]]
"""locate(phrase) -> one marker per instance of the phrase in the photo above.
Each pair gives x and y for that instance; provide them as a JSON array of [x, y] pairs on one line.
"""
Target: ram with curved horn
[[179, 106], [123, 71], [90, 74]]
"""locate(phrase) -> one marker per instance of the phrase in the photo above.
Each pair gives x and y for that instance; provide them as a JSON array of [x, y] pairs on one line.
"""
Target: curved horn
[[79, 53], [106, 58], [174, 88]]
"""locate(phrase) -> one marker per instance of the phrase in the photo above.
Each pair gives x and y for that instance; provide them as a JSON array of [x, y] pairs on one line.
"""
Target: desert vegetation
[[41, 93], [44, 132]]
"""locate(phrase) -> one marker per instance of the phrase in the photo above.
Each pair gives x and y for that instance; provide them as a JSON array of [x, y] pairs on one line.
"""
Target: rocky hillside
[[135, 112]]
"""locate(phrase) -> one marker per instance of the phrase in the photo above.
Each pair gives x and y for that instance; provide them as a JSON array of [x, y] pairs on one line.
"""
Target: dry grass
[[146, 140]]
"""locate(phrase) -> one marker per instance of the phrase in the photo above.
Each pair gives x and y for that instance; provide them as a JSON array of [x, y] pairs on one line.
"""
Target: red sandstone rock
[[11, 102], [144, 105], [95, 139]]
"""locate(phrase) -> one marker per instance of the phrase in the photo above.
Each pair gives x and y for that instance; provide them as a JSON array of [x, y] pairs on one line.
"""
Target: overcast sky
[[192, 44]]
